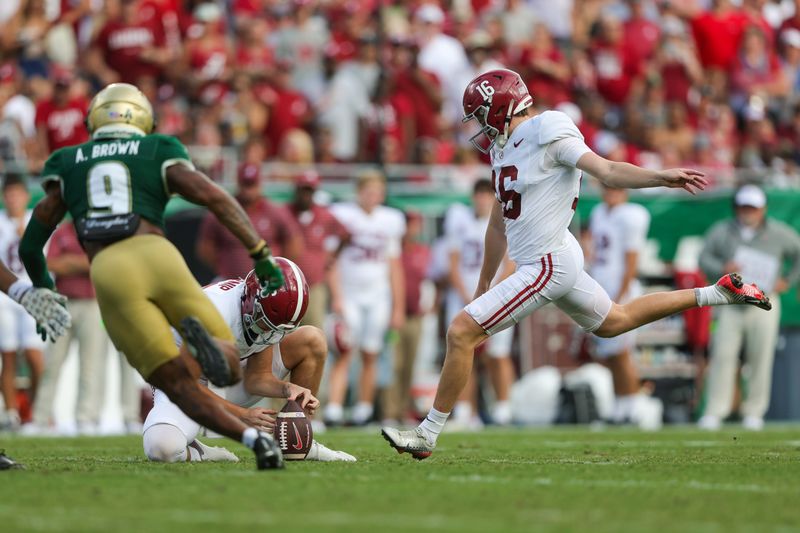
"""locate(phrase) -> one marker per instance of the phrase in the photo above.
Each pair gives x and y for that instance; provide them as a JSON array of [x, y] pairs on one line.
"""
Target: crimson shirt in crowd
[[547, 89], [122, 45], [272, 222], [168, 15], [248, 8], [790, 23], [677, 82], [322, 233], [254, 58], [415, 259], [287, 111], [616, 67], [744, 77], [64, 125], [65, 241], [717, 37], [208, 60], [425, 112], [387, 120], [642, 36]]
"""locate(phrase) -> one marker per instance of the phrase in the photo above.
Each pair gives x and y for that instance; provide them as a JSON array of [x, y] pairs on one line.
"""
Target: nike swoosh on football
[[518, 143], [299, 445]]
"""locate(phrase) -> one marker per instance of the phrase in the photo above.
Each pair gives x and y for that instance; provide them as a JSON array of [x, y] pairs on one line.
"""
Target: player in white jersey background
[[618, 233], [465, 229], [538, 160], [366, 291], [17, 327], [272, 348]]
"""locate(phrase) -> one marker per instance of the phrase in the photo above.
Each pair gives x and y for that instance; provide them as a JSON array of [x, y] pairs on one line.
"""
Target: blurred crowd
[[710, 83]]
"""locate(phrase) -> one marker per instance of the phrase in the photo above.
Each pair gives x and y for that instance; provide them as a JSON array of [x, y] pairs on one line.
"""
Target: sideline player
[[619, 232], [17, 329], [537, 164], [116, 187], [46, 307], [367, 290], [271, 347], [465, 229]]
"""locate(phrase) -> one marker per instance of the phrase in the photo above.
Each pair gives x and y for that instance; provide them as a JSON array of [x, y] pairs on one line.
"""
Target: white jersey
[[227, 298], [536, 181], [465, 234], [375, 239], [614, 233], [9, 243], [17, 327]]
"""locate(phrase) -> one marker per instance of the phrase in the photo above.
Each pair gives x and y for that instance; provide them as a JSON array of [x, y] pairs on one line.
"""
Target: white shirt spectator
[[303, 48], [444, 56], [8, 8], [557, 16], [21, 109], [518, 21], [348, 101]]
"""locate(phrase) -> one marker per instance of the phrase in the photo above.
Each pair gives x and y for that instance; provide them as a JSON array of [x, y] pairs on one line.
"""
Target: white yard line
[[612, 483]]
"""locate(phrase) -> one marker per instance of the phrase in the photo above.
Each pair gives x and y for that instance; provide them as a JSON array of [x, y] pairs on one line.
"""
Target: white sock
[[433, 424], [13, 418], [623, 408], [249, 437], [462, 412], [333, 412], [362, 412], [710, 295], [501, 414]]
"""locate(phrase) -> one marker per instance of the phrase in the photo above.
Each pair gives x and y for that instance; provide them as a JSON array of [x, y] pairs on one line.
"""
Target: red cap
[[308, 178], [249, 174]]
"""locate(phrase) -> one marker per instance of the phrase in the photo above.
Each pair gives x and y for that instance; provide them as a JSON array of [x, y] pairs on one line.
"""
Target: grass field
[[547, 480]]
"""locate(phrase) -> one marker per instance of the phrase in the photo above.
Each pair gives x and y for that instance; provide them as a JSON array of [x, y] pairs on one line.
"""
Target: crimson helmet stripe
[[299, 277]]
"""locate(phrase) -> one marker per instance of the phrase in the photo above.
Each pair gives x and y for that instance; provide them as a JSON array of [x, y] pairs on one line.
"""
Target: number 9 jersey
[[116, 176], [537, 184]]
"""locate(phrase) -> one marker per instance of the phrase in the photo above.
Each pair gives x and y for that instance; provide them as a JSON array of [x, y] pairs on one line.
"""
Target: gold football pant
[[143, 286]]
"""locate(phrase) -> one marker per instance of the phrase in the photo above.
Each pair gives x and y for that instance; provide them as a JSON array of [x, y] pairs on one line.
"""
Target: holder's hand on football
[[302, 396], [260, 418], [267, 270], [49, 310]]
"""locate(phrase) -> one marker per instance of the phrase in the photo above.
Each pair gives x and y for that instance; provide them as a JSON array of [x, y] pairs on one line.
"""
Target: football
[[293, 432]]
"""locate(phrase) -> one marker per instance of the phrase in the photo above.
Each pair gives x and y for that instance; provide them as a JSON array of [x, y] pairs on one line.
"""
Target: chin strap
[[503, 138]]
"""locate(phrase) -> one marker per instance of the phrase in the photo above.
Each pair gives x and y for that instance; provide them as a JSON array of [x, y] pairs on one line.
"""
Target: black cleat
[[268, 454], [203, 348], [7, 463]]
